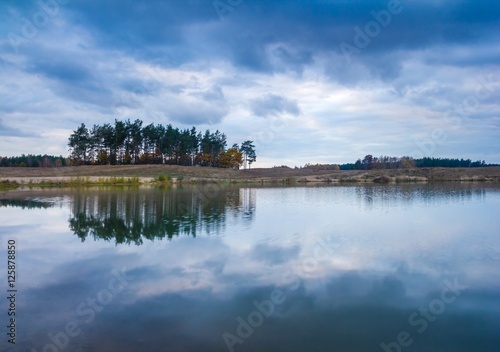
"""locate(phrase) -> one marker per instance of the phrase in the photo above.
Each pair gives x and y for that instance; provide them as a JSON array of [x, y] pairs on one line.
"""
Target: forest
[[369, 162], [128, 142], [32, 160]]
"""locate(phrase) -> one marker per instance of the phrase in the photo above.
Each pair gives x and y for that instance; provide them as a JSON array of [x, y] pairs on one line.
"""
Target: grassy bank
[[6, 185], [134, 175]]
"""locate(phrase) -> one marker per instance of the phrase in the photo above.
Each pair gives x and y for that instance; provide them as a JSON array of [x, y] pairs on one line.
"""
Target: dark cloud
[[273, 36], [63, 71], [166, 32], [158, 28], [294, 60], [74, 79]]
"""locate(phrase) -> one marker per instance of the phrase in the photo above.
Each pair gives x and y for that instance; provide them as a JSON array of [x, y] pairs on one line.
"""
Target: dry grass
[[147, 173]]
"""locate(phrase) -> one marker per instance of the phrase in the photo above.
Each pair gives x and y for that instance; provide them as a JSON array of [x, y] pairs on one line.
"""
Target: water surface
[[214, 268]]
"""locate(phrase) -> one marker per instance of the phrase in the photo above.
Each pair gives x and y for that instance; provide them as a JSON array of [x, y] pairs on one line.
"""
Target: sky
[[317, 81]]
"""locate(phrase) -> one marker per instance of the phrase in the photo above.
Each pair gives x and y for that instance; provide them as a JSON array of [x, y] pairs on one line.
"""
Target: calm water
[[211, 268]]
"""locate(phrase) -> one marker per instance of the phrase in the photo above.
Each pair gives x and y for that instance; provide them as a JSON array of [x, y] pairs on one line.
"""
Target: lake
[[412, 267]]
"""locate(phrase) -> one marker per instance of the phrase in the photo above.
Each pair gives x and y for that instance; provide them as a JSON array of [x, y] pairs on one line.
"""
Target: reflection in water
[[248, 200], [408, 194], [25, 203], [129, 216]]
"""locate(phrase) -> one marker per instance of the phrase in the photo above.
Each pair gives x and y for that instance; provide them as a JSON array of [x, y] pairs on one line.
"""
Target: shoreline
[[140, 175]]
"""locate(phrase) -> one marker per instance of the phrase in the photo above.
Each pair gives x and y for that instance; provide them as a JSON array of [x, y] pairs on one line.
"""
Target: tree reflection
[[130, 216], [406, 194], [25, 203]]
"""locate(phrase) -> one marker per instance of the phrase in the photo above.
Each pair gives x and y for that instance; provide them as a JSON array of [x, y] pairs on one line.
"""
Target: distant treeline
[[445, 162], [127, 142], [207, 146], [370, 162], [34, 161]]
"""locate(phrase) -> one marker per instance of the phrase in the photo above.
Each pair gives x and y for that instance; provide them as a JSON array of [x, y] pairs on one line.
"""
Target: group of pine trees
[[126, 142]]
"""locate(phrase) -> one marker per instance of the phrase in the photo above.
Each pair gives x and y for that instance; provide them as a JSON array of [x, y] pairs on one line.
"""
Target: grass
[[168, 174], [6, 185], [288, 181], [77, 182], [163, 179]]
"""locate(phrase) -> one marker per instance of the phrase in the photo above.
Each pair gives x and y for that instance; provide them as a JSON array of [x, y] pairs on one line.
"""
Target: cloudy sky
[[324, 81]]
